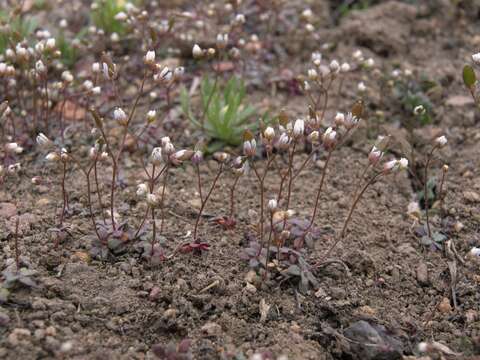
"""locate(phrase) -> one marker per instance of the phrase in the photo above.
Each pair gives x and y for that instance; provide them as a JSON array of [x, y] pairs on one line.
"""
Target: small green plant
[[103, 16], [14, 29], [69, 48], [225, 116]]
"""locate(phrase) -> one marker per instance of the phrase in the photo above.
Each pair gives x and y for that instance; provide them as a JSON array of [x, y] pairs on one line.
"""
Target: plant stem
[[269, 244], [116, 159], [319, 191], [89, 198], [163, 196], [232, 197], [290, 174], [349, 216], [444, 173], [197, 167], [425, 191], [154, 224], [95, 172], [63, 193], [17, 251], [204, 202]]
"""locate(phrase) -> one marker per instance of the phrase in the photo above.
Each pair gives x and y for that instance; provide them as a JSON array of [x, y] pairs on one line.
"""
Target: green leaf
[[469, 77]]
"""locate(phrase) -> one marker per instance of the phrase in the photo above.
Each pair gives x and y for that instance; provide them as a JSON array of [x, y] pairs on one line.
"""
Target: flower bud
[[13, 148], [476, 58], [334, 66], [345, 68], [156, 156], [182, 155], [96, 68], [313, 137], [121, 16], [221, 157], [150, 57], [269, 133], [142, 190], [197, 51], [312, 74], [42, 140], [375, 156], [329, 138], [272, 205], [283, 142], [316, 58], [249, 147], [50, 44], [197, 157], [298, 128], [441, 141], [361, 87], [152, 200], [120, 116], [222, 41], [151, 116], [168, 149], [52, 157], [339, 119], [419, 110], [351, 121]]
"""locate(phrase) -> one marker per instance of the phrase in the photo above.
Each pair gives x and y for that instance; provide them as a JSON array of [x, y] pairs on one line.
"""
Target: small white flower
[[50, 44], [67, 76], [329, 138], [313, 136], [317, 58], [358, 55], [152, 200], [419, 110], [345, 68], [150, 57], [52, 157], [283, 141], [269, 133], [40, 67], [63, 23], [298, 128], [115, 37], [351, 121], [334, 66], [197, 51], [142, 189], [178, 72], [156, 157], [249, 147], [97, 90], [240, 19], [403, 164], [197, 157], [475, 251], [96, 68], [390, 166], [13, 148], [441, 141], [121, 16], [151, 116], [222, 41], [340, 119], [369, 63], [120, 116], [361, 87], [375, 156], [312, 74], [42, 140], [476, 58]]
